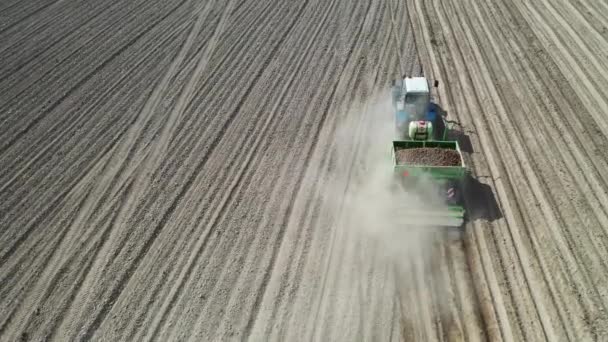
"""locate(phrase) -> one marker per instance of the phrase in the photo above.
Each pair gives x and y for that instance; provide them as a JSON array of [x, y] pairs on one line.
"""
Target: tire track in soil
[[235, 158], [74, 122], [18, 133], [116, 201], [522, 305], [261, 292], [301, 240], [565, 134], [564, 223], [59, 273], [424, 48], [347, 96], [44, 152], [237, 180], [152, 160], [348, 61], [280, 170], [182, 101], [113, 243], [51, 207], [180, 214], [341, 255], [73, 89], [307, 207], [28, 16], [525, 252], [522, 282]]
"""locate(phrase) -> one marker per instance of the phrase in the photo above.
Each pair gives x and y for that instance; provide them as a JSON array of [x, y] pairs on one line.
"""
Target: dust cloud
[[377, 205], [376, 241]]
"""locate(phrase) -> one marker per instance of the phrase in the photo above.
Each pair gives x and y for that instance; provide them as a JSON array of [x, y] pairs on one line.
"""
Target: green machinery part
[[444, 177]]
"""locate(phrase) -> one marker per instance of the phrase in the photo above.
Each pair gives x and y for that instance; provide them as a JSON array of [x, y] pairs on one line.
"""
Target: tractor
[[425, 160]]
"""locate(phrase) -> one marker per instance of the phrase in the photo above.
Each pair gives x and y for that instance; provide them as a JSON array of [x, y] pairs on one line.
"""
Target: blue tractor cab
[[416, 117]]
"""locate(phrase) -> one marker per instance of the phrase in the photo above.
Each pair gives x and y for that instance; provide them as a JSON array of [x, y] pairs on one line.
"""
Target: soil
[[162, 164], [428, 156]]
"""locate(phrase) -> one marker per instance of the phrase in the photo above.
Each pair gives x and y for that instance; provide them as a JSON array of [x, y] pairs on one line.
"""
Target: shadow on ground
[[480, 201], [463, 140]]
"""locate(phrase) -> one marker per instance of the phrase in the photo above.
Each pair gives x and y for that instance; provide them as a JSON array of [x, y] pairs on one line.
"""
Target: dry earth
[[165, 168]]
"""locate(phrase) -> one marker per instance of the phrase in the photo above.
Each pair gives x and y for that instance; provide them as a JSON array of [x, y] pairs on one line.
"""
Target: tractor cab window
[[418, 103]]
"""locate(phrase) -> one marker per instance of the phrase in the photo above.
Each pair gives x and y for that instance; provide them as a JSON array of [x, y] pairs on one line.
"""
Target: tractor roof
[[416, 85]]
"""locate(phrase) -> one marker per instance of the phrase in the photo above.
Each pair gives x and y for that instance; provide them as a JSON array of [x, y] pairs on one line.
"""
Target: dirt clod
[[428, 156]]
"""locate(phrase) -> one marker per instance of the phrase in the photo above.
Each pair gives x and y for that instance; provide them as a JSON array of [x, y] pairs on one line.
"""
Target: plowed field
[[193, 170]]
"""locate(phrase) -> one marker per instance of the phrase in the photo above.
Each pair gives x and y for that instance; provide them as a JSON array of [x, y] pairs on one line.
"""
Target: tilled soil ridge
[[161, 165]]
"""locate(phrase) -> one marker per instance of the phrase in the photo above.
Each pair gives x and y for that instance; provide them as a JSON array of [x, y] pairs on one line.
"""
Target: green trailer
[[443, 206]]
